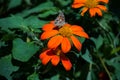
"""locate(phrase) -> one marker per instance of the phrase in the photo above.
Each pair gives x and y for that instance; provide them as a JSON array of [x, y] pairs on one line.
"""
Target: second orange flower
[[93, 6]]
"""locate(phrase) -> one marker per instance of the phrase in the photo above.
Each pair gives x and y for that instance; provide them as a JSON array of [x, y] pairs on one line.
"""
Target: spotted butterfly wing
[[60, 20]]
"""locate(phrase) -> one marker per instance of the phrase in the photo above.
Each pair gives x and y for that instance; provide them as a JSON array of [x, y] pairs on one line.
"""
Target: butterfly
[[60, 20]]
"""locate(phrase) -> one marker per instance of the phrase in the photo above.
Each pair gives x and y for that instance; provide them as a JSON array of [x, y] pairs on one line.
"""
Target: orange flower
[[55, 56], [94, 6], [63, 35]]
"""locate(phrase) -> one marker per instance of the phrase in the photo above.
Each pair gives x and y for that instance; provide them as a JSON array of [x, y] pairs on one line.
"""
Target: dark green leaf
[[89, 76], [115, 50], [23, 51], [104, 22], [64, 2], [48, 13], [12, 22], [33, 76], [14, 3], [115, 62], [34, 22], [42, 7], [2, 43], [98, 42], [6, 67], [81, 39], [56, 77], [87, 57]]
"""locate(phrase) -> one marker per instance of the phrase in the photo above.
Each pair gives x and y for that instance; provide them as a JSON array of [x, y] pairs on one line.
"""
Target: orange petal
[[81, 34], [77, 5], [55, 60], [84, 10], [76, 43], [46, 59], [75, 28], [48, 26], [92, 12], [79, 1], [65, 45], [43, 54], [66, 63], [54, 41], [102, 7], [104, 1], [48, 34], [98, 11]]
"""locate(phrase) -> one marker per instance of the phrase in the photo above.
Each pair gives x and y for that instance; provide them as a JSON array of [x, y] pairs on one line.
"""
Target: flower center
[[57, 52], [65, 31], [91, 3]]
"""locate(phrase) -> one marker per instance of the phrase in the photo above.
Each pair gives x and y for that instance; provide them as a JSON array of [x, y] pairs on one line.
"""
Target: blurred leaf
[[23, 51], [104, 22], [48, 13], [87, 57], [42, 7], [8, 37], [115, 62], [2, 43], [34, 22], [115, 50], [6, 67], [33, 76], [18, 22], [14, 3], [12, 22], [89, 76], [98, 42], [56, 77], [81, 39], [28, 2], [64, 2]]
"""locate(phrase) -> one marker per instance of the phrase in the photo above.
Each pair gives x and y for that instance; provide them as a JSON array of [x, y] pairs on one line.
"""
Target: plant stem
[[107, 71], [90, 67]]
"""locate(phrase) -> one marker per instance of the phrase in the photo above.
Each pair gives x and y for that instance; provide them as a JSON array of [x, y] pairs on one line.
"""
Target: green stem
[[107, 71], [90, 67]]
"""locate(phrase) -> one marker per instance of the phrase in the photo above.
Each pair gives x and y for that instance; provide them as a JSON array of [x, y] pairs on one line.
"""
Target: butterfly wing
[[60, 20]]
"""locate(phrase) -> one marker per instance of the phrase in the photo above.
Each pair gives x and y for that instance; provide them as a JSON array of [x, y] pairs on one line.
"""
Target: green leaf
[[115, 50], [6, 67], [87, 57], [34, 22], [12, 22], [98, 42], [42, 7], [104, 22], [18, 22], [81, 39], [115, 62], [29, 2], [64, 2], [48, 13], [2, 43], [23, 51], [14, 3], [56, 77], [89, 77], [33, 76]]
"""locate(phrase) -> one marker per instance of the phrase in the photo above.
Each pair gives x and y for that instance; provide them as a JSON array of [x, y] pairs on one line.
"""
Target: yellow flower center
[[58, 52], [65, 31], [91, 3]]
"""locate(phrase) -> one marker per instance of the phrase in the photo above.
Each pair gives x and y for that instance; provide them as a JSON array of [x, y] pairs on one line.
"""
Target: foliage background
[[20, 27]]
